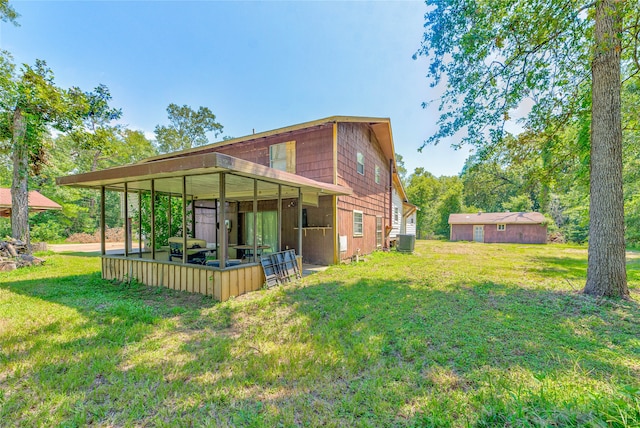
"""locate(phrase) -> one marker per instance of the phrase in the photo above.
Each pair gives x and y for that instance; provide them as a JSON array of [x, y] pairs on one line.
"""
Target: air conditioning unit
[[406, 243]]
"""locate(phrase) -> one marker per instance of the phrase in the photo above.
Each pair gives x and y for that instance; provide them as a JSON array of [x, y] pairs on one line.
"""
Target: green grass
[[457, 334]]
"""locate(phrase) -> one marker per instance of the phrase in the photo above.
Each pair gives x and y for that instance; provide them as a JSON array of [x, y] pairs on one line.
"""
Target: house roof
[[380, 126], [37, 202], [497, 218], [168, 175]]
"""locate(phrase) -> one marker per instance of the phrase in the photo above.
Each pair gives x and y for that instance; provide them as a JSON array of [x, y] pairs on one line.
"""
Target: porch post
[[193, 217], [139, 224], [153, 219], [103, 245], [255, 220], [217, 223], [169, 217], [222, 230], [279, 217], [185, 256], [300, 221], [126, 220]]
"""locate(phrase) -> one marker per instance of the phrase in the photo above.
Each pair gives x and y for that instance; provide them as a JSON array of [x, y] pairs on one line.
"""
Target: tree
[[401, 168], [98, 136], [8, 13], [423, 190], [187, 129], [555, 55], [449, 203], [30, 104]]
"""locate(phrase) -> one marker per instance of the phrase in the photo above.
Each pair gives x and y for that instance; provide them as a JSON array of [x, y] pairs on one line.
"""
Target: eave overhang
[[168, 175]]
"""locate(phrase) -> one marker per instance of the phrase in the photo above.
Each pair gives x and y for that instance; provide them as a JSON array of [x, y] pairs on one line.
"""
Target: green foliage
[[449, 203], [8, 13], [188, 128], [162, 209], [436, 198], [497, 54], [50, 230], [520, 203], [402, 170], [5, 227]]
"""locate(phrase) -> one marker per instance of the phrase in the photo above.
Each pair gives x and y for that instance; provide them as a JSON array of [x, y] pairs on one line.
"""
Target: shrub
[[48, 231]]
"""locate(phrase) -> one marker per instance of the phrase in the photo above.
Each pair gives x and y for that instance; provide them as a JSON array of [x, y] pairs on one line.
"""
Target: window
[[396, 215], [360, 163], [357, 223], [283, 156], [377, 175], [502, 227], [379, 232]]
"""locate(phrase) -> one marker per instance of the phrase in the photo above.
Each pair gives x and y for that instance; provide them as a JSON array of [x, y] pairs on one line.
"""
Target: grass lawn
[[457, 334]]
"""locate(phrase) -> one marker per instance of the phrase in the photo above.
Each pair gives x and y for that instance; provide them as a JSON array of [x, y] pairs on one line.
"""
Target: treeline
[[546, 170], [47, 132]]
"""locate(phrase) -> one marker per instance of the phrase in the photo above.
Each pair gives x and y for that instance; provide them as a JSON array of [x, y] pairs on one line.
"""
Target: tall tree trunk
[[606, 274], [19, 186]]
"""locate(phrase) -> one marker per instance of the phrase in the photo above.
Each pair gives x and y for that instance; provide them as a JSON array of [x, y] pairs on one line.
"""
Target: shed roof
[[37, 202], [497, 218]]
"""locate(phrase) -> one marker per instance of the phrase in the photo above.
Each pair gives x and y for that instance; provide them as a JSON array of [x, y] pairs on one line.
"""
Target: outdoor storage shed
[[519, 227]]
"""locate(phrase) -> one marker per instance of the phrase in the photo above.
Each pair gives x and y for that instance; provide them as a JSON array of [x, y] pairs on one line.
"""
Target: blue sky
[[256, 65]]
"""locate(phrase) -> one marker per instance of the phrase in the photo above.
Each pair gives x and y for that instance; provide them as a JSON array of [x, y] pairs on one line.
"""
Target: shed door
[[478, 233]]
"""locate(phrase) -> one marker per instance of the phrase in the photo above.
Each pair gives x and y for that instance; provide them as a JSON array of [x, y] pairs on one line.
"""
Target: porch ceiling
[[168, 174]]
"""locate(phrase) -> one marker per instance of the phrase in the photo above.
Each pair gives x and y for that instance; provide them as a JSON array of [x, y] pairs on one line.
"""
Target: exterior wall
[[369, 197], [314, 159], [518, 233], [396, 224], [314, 151], [410, 225], [218, 283], [462, 232], [514, 233]]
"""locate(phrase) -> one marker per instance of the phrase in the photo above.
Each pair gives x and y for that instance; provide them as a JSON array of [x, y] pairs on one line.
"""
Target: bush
[[48, 231], [5, 227]]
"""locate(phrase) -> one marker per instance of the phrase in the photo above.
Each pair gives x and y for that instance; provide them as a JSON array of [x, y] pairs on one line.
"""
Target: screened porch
[[201, 223]]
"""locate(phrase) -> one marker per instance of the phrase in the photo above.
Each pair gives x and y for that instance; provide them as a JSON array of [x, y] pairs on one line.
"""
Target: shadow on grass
[[80, 253], [401, 343], [561, 267], [78, 346], [372, 352]]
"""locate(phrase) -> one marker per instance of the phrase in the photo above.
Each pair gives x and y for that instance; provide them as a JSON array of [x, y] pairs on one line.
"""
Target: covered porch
[[201, 222]]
